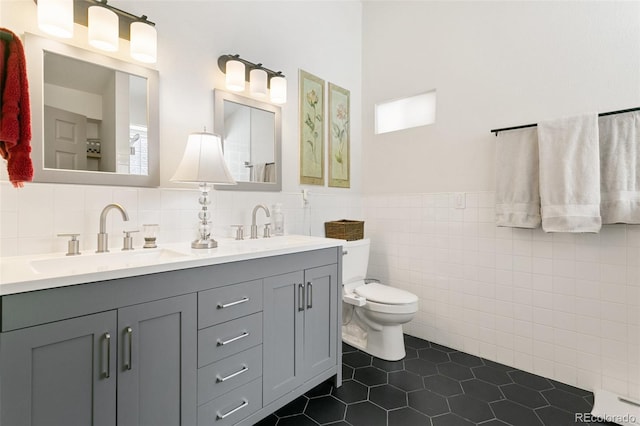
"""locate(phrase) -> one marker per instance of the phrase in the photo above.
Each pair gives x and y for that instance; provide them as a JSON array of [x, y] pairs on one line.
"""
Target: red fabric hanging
[[15, 112]]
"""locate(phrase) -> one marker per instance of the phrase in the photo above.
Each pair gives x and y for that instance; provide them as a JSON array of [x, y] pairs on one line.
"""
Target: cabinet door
[[157, 363], [60, 374], [320, 329], [283, 315]]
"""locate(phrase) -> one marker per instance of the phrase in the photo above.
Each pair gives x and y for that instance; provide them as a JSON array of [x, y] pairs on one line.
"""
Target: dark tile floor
[[434, 386]]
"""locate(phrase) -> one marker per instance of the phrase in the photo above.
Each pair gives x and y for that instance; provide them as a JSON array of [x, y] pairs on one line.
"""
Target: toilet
[[372, 313]]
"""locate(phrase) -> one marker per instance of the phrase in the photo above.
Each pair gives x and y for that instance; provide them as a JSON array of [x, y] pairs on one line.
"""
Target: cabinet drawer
[[226, 303], [227, 374], [222, 340], [232, 407]]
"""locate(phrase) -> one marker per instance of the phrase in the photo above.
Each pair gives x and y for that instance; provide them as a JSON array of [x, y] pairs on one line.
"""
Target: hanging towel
[[570, 174], [620, 168], [517, 193], [15, 114], [270, 172], [258, 172]]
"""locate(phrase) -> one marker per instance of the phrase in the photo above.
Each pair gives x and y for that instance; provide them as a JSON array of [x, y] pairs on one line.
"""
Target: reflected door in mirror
[[65, 132]]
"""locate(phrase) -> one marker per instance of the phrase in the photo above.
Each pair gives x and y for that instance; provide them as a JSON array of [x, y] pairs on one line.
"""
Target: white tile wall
[[31, 217], [560, 305]]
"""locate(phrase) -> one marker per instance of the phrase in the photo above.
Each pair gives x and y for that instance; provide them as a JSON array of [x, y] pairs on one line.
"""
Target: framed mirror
[[94, 118], [251, 134]]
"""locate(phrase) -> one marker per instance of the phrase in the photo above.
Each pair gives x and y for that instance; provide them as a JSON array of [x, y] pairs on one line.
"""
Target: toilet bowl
[[372, 313]]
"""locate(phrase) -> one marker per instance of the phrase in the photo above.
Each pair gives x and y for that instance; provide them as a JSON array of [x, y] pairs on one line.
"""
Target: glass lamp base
[[204, 244]]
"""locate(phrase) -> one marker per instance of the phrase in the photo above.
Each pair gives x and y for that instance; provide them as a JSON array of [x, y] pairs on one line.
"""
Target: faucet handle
[[239, 231], [73, 246], [128, 240], [267, 230]]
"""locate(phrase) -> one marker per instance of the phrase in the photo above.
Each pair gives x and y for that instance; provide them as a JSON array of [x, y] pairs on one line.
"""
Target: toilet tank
[[356, 261]]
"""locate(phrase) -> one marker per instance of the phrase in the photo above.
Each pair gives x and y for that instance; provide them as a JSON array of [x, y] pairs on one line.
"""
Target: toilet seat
[[386, 295], [407, 308]]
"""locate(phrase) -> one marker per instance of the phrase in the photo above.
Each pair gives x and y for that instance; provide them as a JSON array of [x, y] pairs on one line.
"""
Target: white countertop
[[39, 272]]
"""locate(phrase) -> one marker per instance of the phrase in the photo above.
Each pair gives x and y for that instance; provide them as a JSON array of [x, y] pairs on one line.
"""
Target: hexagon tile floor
[[434, 386]]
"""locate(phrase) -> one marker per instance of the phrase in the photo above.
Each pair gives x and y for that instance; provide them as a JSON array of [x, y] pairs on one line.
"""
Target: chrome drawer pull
[[237, 302], [107, 338], [231, 376], [235, 410], [309, 295], [300, 297], [226, 342], [129, 332]]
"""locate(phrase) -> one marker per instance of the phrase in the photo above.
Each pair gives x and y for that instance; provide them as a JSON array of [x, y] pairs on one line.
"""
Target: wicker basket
[[344, 229]]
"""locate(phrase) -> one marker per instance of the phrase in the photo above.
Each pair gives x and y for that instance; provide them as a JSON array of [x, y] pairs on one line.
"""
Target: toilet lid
[[386, 294]]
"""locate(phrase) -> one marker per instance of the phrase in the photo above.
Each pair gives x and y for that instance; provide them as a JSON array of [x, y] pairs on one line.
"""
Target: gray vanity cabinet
[[157, 362], [299, 328], [65, 372], [62, 373], [223, 344]]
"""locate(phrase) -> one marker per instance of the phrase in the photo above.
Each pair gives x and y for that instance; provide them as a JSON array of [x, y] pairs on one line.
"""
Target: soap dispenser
[[278, 219]]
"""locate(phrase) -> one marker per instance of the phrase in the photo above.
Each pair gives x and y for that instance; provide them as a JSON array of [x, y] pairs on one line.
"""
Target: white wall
[[563, 306], [494, 64], [321, 37]]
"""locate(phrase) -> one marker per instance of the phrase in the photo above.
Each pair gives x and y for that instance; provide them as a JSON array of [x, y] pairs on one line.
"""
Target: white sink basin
[[97, 262]]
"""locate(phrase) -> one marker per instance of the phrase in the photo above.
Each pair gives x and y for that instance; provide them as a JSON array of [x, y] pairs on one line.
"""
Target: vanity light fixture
[[103, 28], [261, 79], [203, 163], [235, 76], [106, 25], [55, 17], [258, 82]]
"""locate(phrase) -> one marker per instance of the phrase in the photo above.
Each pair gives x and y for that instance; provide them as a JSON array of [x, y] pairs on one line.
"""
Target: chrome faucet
[[103, 237], [254, 227]]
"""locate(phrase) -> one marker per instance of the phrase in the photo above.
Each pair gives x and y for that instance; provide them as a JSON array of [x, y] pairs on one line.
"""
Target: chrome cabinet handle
[[226, 342], [235, 410], [231, 376], [107, 338], [300, 297], [237, 302], [129, 332], [309, 295]]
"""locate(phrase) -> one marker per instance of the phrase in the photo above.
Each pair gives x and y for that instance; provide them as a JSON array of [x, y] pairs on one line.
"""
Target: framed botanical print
[[339, 137], [311, 129]]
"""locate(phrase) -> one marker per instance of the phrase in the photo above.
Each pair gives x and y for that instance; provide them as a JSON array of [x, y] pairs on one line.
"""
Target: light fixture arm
[[248, 66]]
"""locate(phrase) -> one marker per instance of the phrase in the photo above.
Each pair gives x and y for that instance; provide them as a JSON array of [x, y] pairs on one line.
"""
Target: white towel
[[517, 194], [258, 172], [570, 174], [620, 168], [270, 172]]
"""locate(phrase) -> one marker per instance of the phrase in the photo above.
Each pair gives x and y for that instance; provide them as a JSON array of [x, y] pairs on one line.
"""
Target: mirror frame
[[219, 96], [35, 46]]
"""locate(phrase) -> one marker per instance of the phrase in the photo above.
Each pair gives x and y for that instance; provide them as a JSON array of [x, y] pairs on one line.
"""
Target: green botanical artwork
[[339, 137], [311, 129]]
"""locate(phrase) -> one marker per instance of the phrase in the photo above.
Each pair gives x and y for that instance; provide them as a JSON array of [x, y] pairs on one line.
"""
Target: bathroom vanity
[[220, 338]]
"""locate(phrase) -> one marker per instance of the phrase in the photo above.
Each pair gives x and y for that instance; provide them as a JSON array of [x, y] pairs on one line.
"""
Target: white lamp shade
[[235, 76], [278, 90], [103, 28], [203, 161], [55, 17], [144, 42], [258, 83]]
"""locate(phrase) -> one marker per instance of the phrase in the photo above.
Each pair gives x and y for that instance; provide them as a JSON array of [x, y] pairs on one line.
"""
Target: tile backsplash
[[565, 306], [31, 217]]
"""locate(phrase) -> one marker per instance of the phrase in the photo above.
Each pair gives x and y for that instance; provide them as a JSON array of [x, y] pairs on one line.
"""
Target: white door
[[65, 134]]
